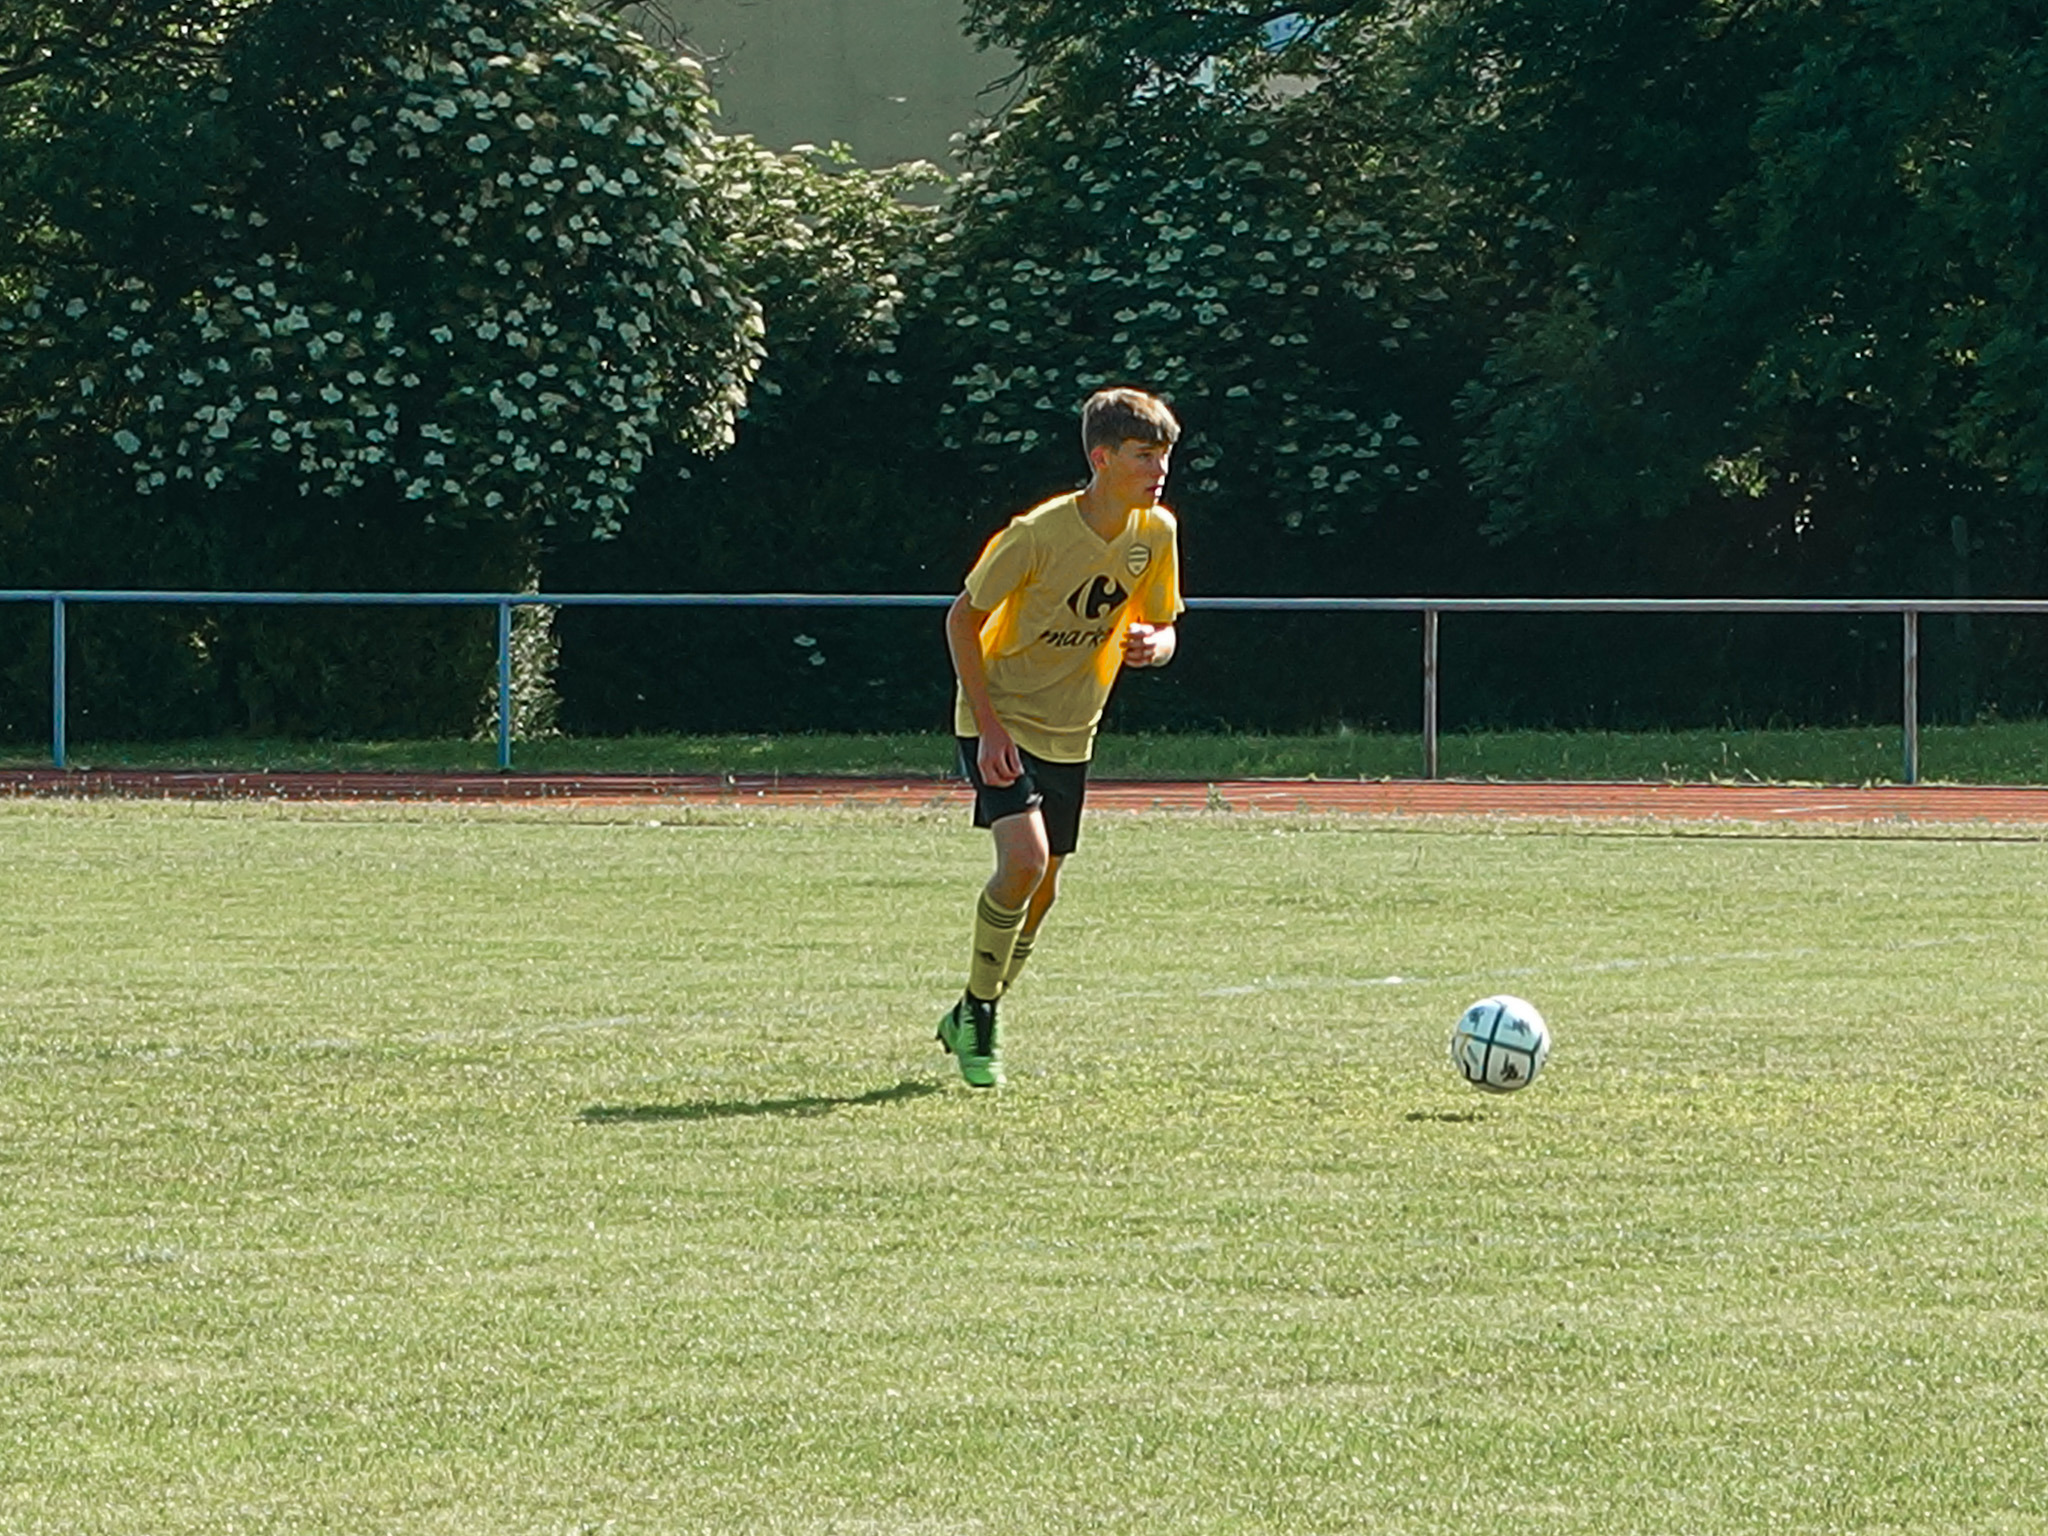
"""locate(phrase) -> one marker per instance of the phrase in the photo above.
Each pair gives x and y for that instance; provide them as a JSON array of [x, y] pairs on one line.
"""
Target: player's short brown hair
[[1113, 417]]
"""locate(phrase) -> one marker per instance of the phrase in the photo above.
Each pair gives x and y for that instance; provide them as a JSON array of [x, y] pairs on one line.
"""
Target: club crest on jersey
[[1136, 558], [1092, 599]]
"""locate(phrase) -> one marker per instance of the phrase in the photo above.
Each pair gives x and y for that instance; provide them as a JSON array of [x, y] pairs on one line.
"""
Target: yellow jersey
[[1059, 599]]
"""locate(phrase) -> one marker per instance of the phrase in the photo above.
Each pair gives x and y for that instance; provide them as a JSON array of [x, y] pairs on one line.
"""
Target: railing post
[[1430, 765], [58, 748], [1910, 710], [504, 685]]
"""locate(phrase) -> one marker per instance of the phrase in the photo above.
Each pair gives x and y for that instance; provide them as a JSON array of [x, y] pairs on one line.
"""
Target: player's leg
[[1034, 919], [969, 1030], [1023, 858], [1063, 791], [1023, 862], [1011, 814]]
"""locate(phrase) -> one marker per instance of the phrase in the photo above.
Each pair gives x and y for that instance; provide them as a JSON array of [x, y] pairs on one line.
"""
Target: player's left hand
[[1148, 645]]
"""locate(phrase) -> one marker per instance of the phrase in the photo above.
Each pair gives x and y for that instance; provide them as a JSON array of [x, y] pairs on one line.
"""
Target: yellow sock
[[1019, 953], [995, 940]]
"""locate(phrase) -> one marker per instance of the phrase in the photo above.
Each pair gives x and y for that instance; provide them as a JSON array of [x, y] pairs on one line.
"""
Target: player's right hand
[[1000, 762]]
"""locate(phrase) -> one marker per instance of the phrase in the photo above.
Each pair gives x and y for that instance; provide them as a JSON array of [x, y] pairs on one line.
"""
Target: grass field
[[521, 1170], [2001, 752]]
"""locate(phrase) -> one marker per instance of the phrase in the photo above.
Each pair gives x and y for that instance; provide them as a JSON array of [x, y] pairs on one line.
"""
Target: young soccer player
[[1060, 601]]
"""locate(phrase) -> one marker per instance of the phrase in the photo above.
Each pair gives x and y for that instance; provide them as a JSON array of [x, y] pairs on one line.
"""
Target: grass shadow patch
[[806, 1107]]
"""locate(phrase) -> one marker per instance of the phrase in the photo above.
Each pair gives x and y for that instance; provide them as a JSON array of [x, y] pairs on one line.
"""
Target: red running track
[[1757, 803]]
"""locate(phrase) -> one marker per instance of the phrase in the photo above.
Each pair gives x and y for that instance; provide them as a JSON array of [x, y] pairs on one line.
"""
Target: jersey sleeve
[[1161, 601], [1004, 566]]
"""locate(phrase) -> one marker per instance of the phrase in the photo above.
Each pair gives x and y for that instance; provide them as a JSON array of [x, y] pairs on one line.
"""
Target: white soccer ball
[[1500, 1044]]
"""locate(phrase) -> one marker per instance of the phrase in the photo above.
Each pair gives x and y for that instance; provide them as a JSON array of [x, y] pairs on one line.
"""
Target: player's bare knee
[[1017, 876], [1017, 879]]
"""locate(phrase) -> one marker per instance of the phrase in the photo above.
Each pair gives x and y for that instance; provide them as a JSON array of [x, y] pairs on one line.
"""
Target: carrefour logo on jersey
[[1092, 599], [1089, 601]]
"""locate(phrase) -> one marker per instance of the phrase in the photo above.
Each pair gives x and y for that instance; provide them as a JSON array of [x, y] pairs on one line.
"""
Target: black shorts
[[1055, 790]]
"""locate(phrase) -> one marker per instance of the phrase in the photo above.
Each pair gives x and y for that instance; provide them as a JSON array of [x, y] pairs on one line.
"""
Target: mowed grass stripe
[[549, 1169]]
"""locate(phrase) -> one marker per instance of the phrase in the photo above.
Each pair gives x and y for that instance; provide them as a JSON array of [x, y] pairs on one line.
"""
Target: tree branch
[[95, 35]]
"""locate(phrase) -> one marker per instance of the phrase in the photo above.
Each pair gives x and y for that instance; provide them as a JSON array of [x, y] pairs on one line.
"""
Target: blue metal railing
[[61, 599], [1431, 610]]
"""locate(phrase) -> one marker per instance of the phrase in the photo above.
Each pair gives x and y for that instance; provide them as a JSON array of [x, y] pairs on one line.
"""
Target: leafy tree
[[1610, 134], [340, 293], [1751, 279], [832, 483], [463, 250], [40, 38], [823, 246], [1100, 52], [1777, 293], [1212, 202], [1889, 261]]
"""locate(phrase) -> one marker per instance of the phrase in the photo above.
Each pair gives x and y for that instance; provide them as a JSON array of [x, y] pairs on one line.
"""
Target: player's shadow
[[715, 1109]]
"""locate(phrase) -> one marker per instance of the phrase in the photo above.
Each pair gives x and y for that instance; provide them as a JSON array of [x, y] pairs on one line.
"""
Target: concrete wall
[[895, 79]]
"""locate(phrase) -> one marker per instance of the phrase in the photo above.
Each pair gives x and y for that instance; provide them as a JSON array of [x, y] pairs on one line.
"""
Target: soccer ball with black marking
[[1500, 1044]]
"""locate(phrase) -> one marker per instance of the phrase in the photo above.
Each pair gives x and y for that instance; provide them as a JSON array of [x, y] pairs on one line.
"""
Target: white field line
[[1591, 968]]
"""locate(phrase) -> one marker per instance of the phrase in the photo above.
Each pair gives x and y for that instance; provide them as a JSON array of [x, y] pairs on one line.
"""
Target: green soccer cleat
[[968, 1031]]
